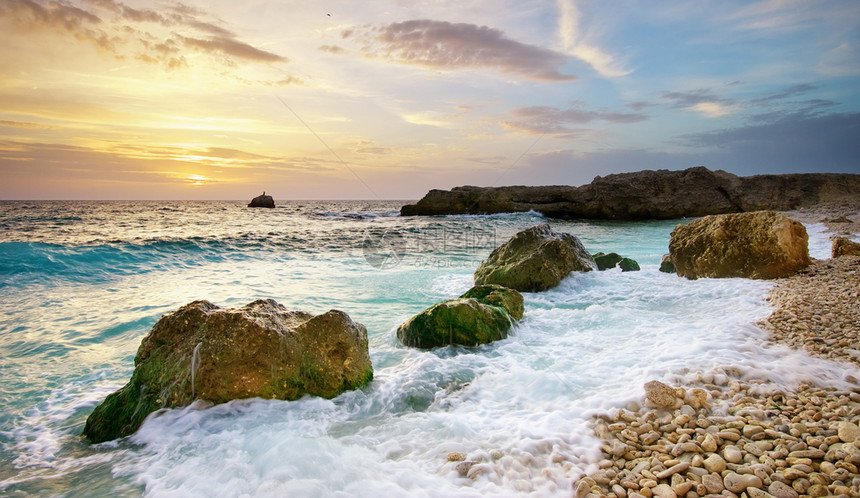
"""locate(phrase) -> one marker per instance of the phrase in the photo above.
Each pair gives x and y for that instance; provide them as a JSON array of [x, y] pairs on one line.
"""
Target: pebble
[[848, 432], [732, 454], [737, 483]]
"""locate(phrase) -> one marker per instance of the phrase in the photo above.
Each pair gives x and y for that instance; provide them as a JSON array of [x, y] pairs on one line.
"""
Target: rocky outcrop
[[203, 352], [763, 244], [534, 260], [843, 246], [611, 260], [484, 314], [648, 194], [262, 201]]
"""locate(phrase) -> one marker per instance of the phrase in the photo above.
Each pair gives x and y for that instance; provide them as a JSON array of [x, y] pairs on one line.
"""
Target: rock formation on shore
[[203, 352], [843, 246], [534, 260], [262, 201], [647, 194], [480, 316], [763, 244]]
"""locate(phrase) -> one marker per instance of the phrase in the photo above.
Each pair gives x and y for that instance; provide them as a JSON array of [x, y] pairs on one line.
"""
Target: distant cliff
[[649, 194]]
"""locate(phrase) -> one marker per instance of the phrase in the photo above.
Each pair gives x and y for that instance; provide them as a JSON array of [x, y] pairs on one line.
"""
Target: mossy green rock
[[496, 295], [484, 314], [666, 264], [534, 260], [627, 264], [208, 353], [606, 261]]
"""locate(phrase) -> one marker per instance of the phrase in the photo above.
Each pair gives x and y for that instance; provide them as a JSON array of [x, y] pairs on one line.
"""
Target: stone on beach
[[843, 246], [203, 352], [534, 260], [762, 244], [485, 313], [659, 395]]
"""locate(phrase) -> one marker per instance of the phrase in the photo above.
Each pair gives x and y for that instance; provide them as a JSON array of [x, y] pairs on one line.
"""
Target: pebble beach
[[726, 435]]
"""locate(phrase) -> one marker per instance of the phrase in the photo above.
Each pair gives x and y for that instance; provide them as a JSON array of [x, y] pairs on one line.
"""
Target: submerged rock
[[606, 261], [843, 246], [484, 314], [208, 353], [611, 260], [628, 264], [762, 244], [666, 264], [262, 201], [534, 260]]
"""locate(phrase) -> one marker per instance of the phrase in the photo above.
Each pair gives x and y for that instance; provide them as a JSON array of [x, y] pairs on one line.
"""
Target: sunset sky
[[221, 99]]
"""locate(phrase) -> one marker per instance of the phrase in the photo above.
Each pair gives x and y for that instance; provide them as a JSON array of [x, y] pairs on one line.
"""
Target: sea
[[81, 283]]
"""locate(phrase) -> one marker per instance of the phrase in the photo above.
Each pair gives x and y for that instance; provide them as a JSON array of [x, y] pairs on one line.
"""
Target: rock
[[534, 260], [482, 315], [781, 490], [663, 491], [456, 456], [737, 483], [606, 261], [715, 463], [203, 352], [732, 454], [844, 247], [709, 444], [496, 295], [647, 194], [762, 244], [627, 264], [713, 483], [848, 432], [659, 395], [262, 201], [611, 260], [666, 264]]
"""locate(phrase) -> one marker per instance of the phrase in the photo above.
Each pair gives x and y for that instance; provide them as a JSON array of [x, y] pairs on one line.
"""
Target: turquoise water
[[82, 282]]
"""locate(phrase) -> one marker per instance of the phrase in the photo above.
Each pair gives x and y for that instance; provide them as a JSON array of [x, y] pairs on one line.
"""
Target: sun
[[198, 180]]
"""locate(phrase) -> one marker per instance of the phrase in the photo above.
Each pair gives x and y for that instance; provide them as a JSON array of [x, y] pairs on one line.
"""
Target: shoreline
[[750, 437]]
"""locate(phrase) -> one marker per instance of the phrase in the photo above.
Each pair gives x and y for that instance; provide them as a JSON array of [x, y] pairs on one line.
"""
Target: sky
[[386, 99]]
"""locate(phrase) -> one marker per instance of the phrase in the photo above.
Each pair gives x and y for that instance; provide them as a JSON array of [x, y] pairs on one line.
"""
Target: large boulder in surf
[[761, 244], [203, 352], [534, 260], [262, 201], [485, 313]]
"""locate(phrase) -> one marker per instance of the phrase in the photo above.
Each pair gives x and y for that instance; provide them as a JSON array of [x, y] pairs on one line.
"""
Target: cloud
[[795, 142], [574, 43], [788, 92], [234, 48], [123, 32], [25, 125], [546, 120], [444, 46], [701, 101]]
